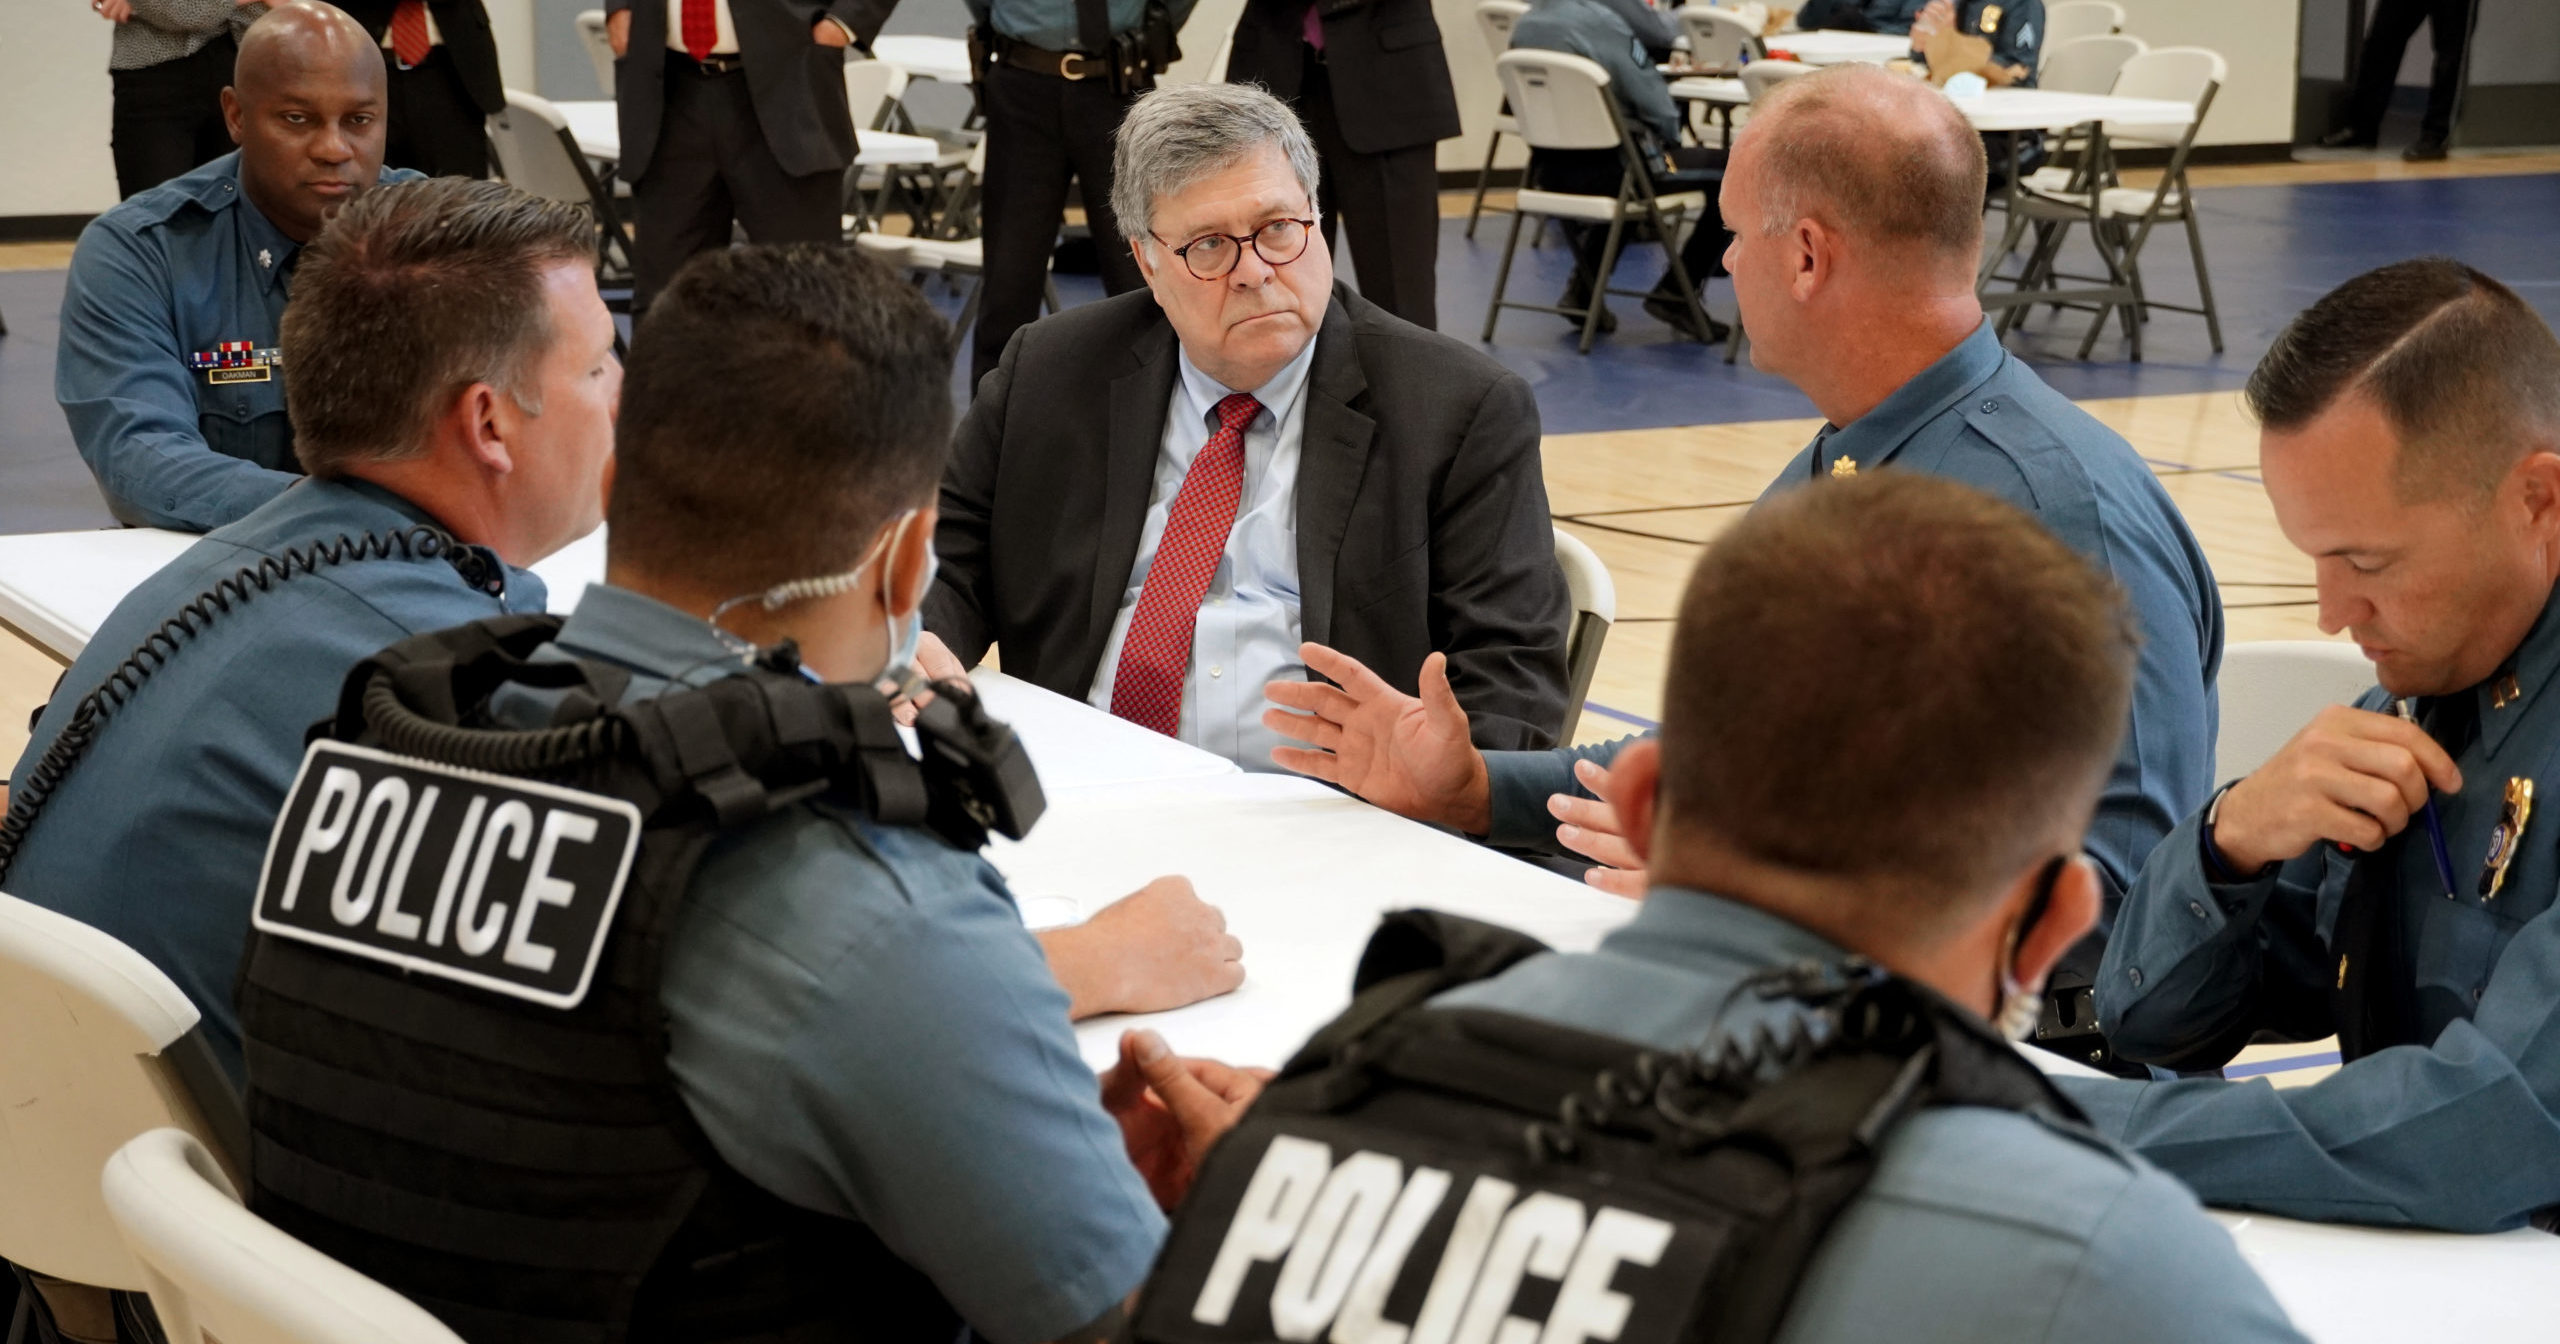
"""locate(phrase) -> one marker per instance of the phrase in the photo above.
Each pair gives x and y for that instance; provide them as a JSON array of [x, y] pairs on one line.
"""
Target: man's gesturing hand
[[1409, 756], [1590, 829], [1171, 1109], [2352, 776], [1150, 952]]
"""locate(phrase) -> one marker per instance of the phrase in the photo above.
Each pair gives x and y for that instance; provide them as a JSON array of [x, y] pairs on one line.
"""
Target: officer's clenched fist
[[2352, 777], [1150, 952]]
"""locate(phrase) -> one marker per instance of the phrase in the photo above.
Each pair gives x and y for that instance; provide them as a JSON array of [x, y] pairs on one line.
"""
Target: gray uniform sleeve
[[2158, 1269], [1520, 782]]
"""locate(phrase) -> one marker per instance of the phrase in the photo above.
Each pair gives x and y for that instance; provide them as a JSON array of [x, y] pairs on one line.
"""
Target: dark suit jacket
[[464, 25], [1390, 75], [1422, 515], [797, 85]]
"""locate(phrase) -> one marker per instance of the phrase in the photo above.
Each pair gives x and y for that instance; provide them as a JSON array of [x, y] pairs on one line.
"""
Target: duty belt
[[1066, 65]]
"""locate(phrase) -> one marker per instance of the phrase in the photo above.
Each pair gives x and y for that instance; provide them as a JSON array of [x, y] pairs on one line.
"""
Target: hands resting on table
[[1171, 1109], [1412, 756]]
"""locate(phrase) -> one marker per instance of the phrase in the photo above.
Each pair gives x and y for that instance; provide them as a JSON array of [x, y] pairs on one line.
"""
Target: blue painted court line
[[2267, 1066], [1595, 707]]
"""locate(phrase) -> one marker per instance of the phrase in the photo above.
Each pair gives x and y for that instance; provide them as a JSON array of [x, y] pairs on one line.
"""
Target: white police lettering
[[524, 877], [1343, 1234]]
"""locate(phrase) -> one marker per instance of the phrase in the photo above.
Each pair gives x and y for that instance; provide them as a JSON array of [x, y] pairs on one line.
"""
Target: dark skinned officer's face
[[310, 136]]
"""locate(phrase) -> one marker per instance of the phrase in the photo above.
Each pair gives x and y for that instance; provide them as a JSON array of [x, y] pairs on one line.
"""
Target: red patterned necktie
[[1155, 656], [701, 28], [409, 33]]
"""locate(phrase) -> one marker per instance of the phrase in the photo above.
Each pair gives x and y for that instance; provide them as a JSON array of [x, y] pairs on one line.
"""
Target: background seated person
[[167, 366], [2411, 447], [1598, 30], [1155, 498], [2014, 28], [1858, 16], [454, 370]]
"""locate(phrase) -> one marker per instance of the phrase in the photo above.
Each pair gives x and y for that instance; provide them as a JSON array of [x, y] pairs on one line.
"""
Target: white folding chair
[[598, 42], [1563, 102], [1494, 20], [2271, 688], [533, 150], [948, 257], [1595, 606], [2082, 65], [1720, 37], [873, 93], [2120, 219], [96, 1046], [220, 1274], [2071, 20]]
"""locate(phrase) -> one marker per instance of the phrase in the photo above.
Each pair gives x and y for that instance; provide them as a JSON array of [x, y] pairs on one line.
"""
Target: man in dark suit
[[444, 84], [733, 113], [1157, 498], [1372, 81]]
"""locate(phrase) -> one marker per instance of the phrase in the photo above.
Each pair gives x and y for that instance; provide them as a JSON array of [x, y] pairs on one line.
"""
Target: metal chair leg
[[1484, 176], [2204, 282], [1600, 283], [1502, 277], [1680, 271]]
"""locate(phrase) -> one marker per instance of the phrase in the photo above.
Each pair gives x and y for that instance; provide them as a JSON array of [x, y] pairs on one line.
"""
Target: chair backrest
[[2071, 20], [2172, 74], [871, 88], [95, 1047], [599, 46], [1719, 36], [2271, 688], [1495, 19], [2087, 64], [219, 1274], [1761, 76], [1595, 604], [535, 153], [1227, 47], [1561, 101]]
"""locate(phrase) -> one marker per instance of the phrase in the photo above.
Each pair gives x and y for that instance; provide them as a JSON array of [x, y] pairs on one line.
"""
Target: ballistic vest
[[457, 1056]]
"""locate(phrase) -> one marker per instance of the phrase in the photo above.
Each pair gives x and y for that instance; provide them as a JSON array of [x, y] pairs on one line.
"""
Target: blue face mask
[[906, 633]]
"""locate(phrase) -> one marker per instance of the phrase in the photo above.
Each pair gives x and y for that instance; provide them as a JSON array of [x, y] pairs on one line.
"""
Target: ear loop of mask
[[784, 594], [2021, 1007]]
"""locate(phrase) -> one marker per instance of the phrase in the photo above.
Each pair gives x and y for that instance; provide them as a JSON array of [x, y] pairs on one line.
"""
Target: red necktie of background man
[[701, 28], [1155, 656], [409, 34]]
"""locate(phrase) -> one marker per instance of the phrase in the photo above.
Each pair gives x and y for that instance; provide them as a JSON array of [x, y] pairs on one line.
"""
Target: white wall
[[2258, 39]]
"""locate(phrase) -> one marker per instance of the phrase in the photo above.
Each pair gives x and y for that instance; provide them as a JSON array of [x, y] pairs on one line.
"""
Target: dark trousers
[[2378, 66], [168, 117], [434, 127], [1393, 203], [1042, 132], [1600, 172], [713, 170]]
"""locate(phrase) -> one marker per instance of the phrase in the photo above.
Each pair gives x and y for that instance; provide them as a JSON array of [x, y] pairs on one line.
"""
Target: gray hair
[[1182, 133]]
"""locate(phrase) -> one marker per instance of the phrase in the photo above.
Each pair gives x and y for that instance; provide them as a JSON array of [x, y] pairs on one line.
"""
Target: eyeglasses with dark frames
[[1212, 255]]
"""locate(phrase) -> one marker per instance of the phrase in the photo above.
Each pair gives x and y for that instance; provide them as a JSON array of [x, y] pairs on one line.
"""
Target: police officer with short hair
[[1054, 77], [168, 366], [2388, 876]]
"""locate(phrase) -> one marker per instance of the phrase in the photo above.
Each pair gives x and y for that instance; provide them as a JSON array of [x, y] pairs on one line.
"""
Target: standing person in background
[[1054, 77], [2378, 69], [443, 68], [1371, 80], [733, 114], [169, 63]]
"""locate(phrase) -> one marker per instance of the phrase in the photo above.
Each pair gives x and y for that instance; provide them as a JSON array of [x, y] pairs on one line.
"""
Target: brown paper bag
[[1952, 53]]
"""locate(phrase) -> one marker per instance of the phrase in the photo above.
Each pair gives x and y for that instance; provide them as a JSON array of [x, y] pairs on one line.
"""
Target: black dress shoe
[[2426, 149], [1578, 295], [1674, 313], [2346, 138]]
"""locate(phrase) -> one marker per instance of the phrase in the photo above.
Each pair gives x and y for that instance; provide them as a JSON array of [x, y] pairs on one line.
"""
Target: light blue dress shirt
[[863, 1026], [1979, 1224], [158, 835], [1247, 634], [2458, 1127]]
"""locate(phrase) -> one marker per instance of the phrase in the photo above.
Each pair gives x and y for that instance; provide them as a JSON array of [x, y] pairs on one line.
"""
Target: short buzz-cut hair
[[1181, 133], [2466, 373], [780, 404], [411, 294], [1880, 156], [1897, 682]]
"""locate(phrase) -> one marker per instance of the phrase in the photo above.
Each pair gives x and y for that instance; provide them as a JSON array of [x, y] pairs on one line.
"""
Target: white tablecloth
[[942, 58], [1836, 48], [1999, 109], [597, 128]]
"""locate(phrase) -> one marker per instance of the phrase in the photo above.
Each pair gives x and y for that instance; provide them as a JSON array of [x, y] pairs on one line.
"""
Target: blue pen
[[2435, 825]]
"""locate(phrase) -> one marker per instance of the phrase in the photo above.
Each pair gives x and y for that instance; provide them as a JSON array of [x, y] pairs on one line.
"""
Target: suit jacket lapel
[[1140, 398], [1331, 458]]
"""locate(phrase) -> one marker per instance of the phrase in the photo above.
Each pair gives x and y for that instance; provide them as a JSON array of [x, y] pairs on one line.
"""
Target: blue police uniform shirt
[[2461, 1132], [2015, 29], [1981, 416], [1883, 16], [179, 270], [158, 834], [1979, 1224], [1597, 32], [1051, 24], [863, 1026]]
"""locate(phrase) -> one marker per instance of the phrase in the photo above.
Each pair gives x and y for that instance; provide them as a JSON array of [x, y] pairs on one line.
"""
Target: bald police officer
[[2387, 876]]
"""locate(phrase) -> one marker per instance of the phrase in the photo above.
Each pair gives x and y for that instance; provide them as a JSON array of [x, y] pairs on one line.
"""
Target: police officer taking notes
[[168, 367], [804, 1074], [1822, 865], [2388, 875]]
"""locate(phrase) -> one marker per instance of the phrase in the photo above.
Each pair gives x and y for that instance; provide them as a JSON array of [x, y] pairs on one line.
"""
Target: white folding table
[[597, 128], [942, 58]]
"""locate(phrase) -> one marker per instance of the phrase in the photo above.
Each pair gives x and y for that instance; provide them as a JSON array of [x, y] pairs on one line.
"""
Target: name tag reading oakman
[[505, 884]]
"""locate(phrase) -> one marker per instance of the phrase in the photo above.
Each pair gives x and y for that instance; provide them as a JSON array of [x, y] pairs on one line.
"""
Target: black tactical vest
[[1422, 1175], [458, 1076]]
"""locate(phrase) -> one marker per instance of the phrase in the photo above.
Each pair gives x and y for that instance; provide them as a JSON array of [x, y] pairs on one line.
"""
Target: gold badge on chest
[[1843, 466], [2507, 839]]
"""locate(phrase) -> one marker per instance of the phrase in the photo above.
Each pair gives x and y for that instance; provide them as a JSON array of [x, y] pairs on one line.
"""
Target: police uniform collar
[[1699, 930], [1872, 439], [380, 494], [2509, 692], [646, 636]]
